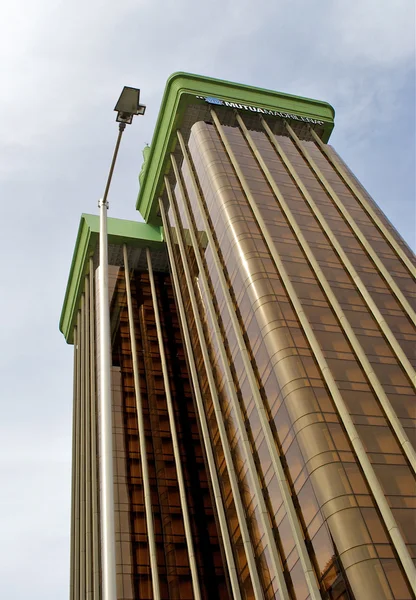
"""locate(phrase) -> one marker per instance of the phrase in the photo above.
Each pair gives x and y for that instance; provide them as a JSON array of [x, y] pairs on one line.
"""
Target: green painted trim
[[181, 90], [120, 232]]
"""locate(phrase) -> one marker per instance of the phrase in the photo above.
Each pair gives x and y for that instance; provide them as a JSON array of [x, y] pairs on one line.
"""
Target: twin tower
[[263, 366]]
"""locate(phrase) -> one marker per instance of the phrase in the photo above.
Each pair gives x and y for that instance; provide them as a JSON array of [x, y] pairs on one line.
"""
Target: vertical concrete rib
[[395, 346], [175, 443], [357, 231], [242, 521], [334, 304], [93, 434], [352, 433], [142, 437], [325, 149], [82, 589], [75, 409], [77, 464], [88, 514], [277, 562], [222, 519]]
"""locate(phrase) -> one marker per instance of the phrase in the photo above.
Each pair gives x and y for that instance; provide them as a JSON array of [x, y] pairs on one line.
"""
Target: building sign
[[262, 111]]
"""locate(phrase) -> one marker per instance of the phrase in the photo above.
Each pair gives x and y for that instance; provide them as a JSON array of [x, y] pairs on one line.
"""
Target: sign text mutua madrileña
[[256, 109]]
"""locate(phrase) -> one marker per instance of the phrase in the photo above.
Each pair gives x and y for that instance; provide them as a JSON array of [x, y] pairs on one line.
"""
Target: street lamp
[[127, 106]]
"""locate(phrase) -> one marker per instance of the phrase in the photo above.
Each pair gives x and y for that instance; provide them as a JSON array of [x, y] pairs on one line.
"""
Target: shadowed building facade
[[263, 334]]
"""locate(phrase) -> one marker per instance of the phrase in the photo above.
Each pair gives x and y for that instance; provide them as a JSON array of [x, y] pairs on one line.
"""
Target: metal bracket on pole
[[102, 202]]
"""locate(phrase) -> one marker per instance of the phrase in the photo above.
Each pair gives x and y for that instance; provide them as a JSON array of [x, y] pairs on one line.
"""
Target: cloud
[[63, 65], [373, 33], [35, 533]]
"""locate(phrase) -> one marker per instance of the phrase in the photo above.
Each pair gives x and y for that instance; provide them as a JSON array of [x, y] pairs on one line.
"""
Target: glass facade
[[264, 415], [132, 540], [275, 221]]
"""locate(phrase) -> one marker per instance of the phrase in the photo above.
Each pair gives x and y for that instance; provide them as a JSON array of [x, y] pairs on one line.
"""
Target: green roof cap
[[183, 89], [120, 232]]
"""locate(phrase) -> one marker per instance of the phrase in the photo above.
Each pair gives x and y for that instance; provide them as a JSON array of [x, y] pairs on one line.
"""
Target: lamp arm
[[121, 128]]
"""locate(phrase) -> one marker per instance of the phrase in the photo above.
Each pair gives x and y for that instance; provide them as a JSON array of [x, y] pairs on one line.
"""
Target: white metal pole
[[108, 550], [108, 538]]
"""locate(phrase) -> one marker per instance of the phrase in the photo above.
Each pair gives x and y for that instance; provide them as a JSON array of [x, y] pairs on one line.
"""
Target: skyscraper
[[263, 332]]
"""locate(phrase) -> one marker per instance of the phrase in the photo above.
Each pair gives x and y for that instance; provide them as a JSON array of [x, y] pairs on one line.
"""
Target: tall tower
[[274, 378]]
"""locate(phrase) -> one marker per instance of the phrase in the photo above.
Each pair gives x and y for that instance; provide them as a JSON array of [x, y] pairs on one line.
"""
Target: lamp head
[[129, 105]]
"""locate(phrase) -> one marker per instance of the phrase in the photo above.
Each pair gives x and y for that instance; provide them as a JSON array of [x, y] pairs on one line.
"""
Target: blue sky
[[63, 65]]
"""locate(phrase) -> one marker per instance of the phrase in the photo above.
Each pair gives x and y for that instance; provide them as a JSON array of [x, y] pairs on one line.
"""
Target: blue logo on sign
[[214, 100]]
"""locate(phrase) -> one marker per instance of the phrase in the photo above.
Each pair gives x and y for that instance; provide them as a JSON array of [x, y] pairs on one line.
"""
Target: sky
[[63, 65]]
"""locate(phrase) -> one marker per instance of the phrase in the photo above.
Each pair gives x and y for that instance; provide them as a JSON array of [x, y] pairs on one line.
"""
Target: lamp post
[[127, 106]]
